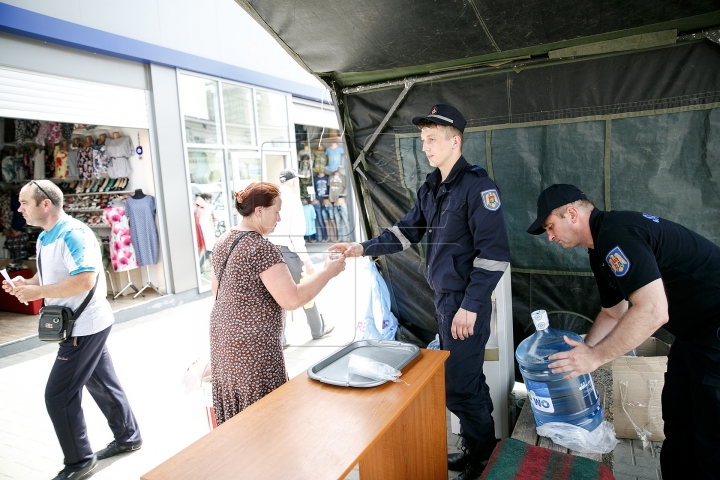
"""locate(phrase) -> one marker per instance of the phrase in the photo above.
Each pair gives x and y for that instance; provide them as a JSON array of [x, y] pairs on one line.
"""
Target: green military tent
[[621, 98]]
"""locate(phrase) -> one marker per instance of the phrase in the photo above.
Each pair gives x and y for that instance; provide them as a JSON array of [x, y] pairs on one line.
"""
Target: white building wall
[[216, 29]]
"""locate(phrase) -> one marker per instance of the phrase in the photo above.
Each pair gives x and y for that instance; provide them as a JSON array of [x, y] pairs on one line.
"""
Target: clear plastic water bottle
[[552, 398]]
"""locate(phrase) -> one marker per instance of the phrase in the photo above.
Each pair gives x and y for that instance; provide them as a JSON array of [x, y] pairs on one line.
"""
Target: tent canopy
[[619, 98]]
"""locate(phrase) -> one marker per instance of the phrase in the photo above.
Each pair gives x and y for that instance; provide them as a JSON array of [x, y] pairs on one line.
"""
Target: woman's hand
[[335, 263]]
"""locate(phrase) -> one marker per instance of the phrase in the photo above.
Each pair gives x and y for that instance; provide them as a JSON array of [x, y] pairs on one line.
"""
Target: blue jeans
[[328, 213], [341, 218], [319, 223]]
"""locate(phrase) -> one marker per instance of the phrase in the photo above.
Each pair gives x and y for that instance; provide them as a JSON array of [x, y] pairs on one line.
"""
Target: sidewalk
[[151, 355]]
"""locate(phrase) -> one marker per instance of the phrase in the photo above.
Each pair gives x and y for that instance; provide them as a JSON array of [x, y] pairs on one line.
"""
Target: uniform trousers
[[691, 408], [466, 393], [85, 362], [314, 319]]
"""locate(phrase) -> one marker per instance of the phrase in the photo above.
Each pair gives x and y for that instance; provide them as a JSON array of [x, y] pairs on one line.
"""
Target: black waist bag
[[56, 322]]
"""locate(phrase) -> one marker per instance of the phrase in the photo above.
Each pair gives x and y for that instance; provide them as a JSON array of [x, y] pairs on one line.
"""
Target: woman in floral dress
[[253, 285]]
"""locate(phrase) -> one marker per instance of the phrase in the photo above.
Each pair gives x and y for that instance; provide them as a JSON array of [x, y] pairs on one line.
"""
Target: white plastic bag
[[368, 368], [378, 322], [600, 440], [435, 344]]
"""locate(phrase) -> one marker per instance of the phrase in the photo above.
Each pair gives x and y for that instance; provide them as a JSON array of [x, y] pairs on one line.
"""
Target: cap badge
[[491, 200], [618, 262], [433, 111]]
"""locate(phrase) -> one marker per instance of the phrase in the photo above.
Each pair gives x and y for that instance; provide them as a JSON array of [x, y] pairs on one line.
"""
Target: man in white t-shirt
[[69, 265], [289, 237]]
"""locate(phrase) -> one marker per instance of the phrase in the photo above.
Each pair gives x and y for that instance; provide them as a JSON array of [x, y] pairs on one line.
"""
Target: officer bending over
[[671, 276]]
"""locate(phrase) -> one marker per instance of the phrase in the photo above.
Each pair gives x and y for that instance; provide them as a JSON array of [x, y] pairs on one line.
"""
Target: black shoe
[[84, 472], [458, 461], [114, 448], [471, 472]]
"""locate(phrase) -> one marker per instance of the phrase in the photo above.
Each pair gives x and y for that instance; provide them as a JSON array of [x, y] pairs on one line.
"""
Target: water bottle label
[[539, 396], [540, 319]]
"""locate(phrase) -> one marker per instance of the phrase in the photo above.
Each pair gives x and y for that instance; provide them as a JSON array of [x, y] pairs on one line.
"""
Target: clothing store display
[[310, 228], [54, 133], [66, 130], [18, 221], [336, 185], [2, 133], [29, 164], [334, 153], [342, 221], [49, 157], [38, 161], [143, 232], [17, 244], [122, 253], [6, 212], [119, 150], [61, 163], [18, 164]]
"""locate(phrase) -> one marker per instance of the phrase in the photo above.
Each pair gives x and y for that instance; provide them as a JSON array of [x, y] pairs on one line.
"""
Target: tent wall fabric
[[651, 144], [618, 97]]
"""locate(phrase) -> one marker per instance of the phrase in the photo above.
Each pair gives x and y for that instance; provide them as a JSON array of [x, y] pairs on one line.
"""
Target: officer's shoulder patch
[[491, 199], [618, 262]]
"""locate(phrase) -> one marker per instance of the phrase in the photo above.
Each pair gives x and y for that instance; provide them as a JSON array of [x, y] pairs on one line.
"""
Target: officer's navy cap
[[444, 115], [551, 198]]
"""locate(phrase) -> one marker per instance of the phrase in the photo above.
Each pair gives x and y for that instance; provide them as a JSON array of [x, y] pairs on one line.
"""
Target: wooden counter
[[310, 430]]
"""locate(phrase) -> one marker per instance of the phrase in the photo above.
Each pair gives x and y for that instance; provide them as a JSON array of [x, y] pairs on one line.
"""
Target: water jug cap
[[540, 319]]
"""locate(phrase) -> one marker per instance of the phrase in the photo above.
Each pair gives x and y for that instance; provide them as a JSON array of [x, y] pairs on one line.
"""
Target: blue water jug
[[552, 398]]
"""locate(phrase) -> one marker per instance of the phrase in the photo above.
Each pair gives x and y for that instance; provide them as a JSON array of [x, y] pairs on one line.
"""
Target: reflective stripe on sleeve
[[404, 241], [490, 265]]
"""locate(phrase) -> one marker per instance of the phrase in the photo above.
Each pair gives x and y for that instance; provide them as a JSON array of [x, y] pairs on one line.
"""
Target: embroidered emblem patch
[[651, 217], [618, 262], [433, 111], [491, 199]]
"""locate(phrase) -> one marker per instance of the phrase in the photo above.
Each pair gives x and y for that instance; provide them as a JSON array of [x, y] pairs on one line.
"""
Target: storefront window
[[199, 100], [210, 209], [272, 119], [238, 110], [243, 168]]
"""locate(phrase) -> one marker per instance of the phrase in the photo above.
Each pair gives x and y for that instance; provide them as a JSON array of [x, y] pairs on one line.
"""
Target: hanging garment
[[61, 163], [54, 134], [85, 163], [8, 168], [38, 161], [141, 213], [122, 253], [100, 159], [42, 133], [119, 150], [72, 161], [6, 213], [29, 164], [19, 168], [49, 163], [66, 130]]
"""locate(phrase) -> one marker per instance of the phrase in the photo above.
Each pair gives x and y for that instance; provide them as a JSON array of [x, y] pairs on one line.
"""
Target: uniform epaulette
[[477, 170]]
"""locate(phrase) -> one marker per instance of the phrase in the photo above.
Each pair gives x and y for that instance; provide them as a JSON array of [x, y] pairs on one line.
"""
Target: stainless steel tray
[[334, 369]]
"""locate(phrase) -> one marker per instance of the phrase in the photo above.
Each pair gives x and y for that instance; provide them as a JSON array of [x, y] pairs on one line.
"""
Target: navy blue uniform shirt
[[467, 244], [633, 249]]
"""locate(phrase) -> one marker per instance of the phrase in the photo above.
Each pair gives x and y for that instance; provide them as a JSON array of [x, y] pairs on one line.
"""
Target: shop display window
[[239, 116], [199, 100]]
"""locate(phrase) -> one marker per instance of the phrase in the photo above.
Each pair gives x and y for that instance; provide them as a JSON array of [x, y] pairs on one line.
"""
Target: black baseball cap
[[551, 198], [286, 175], [444, 115]]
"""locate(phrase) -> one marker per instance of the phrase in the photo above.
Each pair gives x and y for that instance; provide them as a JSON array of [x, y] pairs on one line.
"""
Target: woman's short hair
[[257, 194]]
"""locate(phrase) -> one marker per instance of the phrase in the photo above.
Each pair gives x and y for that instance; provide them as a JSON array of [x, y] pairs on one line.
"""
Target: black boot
[[458, 461], [479, 454]]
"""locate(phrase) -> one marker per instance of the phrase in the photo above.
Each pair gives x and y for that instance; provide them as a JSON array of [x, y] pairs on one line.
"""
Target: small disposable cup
[[335, 255]]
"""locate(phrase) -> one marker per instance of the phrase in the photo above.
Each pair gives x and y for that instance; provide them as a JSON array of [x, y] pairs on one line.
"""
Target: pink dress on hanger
[[122, 253]]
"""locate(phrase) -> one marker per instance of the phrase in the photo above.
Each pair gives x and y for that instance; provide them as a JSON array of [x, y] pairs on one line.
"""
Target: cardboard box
[[637, 388]]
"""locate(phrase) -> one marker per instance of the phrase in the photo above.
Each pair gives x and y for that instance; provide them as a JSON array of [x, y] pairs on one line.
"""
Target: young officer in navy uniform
[[671, 276], [459, 209]]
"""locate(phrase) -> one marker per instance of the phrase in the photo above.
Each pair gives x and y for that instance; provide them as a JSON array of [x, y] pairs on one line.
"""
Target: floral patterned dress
[[122, 253], [245, 326], [61, 163]]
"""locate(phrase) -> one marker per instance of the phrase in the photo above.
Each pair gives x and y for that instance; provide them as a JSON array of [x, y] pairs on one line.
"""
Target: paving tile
[[620, 476], [639, 451], [648, 462], [632, 470]]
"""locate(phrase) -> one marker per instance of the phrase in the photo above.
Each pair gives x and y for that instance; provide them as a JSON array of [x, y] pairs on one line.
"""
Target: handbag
[[57, 322], [232, 247]]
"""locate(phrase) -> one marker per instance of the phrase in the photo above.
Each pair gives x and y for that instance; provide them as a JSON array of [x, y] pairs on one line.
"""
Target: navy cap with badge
[[551, 198], [444, 115]]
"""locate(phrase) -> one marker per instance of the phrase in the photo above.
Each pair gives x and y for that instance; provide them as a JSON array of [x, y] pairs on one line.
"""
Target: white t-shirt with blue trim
[[69, 248]]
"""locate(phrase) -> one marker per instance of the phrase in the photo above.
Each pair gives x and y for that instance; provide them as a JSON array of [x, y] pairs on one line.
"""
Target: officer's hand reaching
[[463, 324], [578, 361], [348, 249]]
